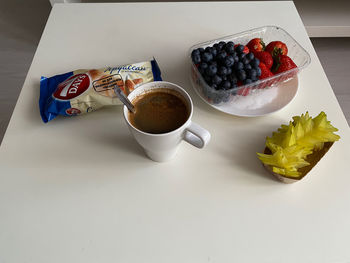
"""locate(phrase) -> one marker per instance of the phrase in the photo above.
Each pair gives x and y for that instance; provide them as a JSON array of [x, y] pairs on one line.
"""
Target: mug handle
[[196, 135]]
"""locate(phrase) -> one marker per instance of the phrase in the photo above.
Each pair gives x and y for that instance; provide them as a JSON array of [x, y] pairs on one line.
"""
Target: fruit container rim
[[239, 34]]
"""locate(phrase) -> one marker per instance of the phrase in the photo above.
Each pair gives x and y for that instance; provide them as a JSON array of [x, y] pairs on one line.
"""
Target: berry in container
[[251, 73]]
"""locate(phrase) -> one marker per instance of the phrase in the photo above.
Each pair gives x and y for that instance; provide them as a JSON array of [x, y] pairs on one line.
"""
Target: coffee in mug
[[159, 111]]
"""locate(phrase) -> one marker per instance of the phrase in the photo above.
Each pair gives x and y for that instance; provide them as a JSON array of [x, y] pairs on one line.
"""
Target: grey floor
[[22, 22]]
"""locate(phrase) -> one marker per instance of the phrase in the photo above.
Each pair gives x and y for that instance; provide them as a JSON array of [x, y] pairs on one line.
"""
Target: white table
[[321, 18], [81, 190]]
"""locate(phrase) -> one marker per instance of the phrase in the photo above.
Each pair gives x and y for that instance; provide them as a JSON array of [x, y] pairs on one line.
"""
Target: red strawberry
[[276, 48], [265, 71], [256, 45], [283, 63], [265, 57], [245, 50]]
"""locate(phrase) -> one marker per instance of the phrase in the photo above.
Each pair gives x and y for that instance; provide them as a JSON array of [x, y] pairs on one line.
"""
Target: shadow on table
[[121, 142], [251, 163], [242, 153]]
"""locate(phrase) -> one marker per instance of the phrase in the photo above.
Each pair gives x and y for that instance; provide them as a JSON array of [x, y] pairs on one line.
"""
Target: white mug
[[162, 147]]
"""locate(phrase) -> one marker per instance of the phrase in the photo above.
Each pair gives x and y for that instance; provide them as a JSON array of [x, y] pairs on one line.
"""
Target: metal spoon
[[124, 99]]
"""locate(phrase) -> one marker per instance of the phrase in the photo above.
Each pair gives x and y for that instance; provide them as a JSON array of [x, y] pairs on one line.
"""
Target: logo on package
[[72, 87]]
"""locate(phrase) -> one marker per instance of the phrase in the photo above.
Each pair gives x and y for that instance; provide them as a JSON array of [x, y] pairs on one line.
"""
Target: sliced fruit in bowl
[[294, 149]]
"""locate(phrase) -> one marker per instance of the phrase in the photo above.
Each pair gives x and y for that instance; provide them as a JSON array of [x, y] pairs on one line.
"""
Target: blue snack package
[[83, 91]]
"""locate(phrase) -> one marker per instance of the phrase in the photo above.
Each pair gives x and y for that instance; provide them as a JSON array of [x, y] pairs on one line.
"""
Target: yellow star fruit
[[292, 143]]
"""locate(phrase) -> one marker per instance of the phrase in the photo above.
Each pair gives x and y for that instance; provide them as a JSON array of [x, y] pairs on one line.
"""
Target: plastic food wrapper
[[83, 91]]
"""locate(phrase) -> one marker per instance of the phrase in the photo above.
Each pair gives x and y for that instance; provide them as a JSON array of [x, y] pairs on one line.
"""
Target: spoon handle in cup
[[124, 99]]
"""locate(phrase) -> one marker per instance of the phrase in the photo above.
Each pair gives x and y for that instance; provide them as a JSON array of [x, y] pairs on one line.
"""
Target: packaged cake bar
[[82, 91]]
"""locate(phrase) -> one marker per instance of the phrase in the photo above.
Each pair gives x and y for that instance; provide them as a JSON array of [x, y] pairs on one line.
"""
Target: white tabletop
[[80, 189]]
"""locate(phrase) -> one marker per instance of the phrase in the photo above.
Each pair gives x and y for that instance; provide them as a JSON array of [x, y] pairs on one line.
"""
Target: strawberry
[[282, 64], [256, 45], [276, 48], [245, 50], [265, 71], [265, 57]]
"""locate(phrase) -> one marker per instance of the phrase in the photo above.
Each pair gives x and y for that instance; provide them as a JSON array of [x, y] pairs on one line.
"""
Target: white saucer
[[261, 102]]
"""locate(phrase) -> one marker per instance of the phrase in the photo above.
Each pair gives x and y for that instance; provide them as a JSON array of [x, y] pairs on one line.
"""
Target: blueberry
[[233, 83], [258, 71], [255, 62], [250, 56], [221, 55], [206, 56], [216, 46], [202, 67], [229, 71], [217, 99], [224, 77], [244, 60], [256, 66], [208, 49], [233, 78], [226, 85], [195, 52], [247, 66], [216, 80], [196, 59], [229, 61], [226, 98], [211, 70], [214, 63], [234, 89], [230, 47], [214, 52], [208, 92], [211, 50], [248, 71], [254, 78], [219, 87], [241, 75], [236, 58], [238, 66], [252, 73], [247, 81], [241, 56], [222, 71], [240, 48], [222, 45], [201, 50], [214, 86]]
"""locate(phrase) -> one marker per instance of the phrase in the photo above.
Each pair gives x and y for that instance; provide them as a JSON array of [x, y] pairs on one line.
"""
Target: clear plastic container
[[226, 99]]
